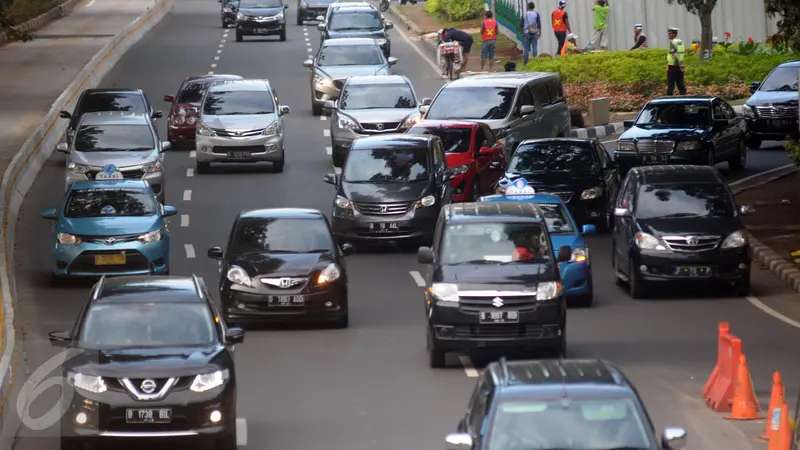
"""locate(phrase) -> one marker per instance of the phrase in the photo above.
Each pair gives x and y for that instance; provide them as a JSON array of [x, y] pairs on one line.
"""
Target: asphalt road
[[369, 386]]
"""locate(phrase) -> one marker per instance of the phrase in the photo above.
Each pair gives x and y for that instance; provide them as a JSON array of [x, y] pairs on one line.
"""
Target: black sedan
[[282, 264], [698, 130], [261, 18], [152, 360]]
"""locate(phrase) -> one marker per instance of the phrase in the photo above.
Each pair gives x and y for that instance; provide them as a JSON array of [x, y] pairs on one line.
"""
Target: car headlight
[[548, 290], [381, 41], [204, 130], [461, 170], [748, 112], [689, 145], [410, 121], [500, 190], [342, 202], [191, 120], [77, 168], [153, 236], [227, 9], [241, 16], [590, 194], [272, 130], [322, 81], [579, 254], [426, 201], [330, 273], [178, 120], [279, 16], [68, 239], [152, 167], [88, 383], [445, 292], [237, 275], [347, 124], [626, 146], [207, 381], [648, 242], [737, 239]]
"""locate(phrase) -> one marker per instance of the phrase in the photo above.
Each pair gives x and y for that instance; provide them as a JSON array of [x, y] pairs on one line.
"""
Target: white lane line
[[323, 117], [223, 39], [308, 44], [190, 172], [189, 250], [309, 49], [759, 174], [184, 220], [306, 39], [241, 432], [214, 66], [326, 133], [469, 369], [193, 154], [328, 150], [425, 57], [219, 51], [417, 278], [211, 72], [337, 170], [757, 303], [187, 195], [216, 58], [305, 33], [221, 45]]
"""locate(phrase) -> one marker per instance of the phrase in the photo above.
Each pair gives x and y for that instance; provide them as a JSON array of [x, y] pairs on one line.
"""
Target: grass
[[432, 22], [23, 10]]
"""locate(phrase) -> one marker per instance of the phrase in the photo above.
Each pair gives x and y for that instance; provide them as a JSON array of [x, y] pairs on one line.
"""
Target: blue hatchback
[[576, 275], [114, 227]]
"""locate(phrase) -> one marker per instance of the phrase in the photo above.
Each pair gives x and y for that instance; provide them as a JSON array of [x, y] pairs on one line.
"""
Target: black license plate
[[655, 159], [499, 316], [261, 30], [286, 300], [779, 122], [155, 415], [692, 271], [383, 227], [239, 154]]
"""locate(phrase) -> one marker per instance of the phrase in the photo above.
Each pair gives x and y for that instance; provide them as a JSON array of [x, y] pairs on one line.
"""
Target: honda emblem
[[379, 127], [384, 209], [286, 282]]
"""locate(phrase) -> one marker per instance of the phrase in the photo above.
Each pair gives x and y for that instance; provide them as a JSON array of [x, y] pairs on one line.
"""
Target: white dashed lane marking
[[328, 150], [187, 195], [323, 117], [193, 154], [184, 220], [418, 278], [337, 170], [309, 49], [214, 66], [221, 45], [326, 133], [469, 369], [306, 39], [216, 58], [241, 432], [219, 51], [211, 72], [189, 250], [190, 172]]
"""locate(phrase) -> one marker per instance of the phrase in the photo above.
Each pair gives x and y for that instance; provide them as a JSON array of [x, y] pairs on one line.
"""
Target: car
[[261, 18], [228, 11], [109, 227], [107, 100], [679, 225], [151, 360], [576, 274], [516, 105], [701, 130], [282, 265], [359, 20], [128, 141], [184, 108], [474, 153], [579, 171], [770, 113], [492, 282], [391, 189], [241, 121], [550, 404], [311, 9], [370, 105], [338, 59]]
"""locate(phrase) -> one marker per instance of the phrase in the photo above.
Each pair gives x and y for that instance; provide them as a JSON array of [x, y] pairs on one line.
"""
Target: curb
[[43, 19]]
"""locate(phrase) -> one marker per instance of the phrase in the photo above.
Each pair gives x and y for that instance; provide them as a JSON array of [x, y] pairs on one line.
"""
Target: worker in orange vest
[[571, 47], [561, 25], [489, 38]]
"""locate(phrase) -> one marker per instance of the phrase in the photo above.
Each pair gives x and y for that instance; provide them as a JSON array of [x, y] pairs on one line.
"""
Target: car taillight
[[178, 120], [191, 120]]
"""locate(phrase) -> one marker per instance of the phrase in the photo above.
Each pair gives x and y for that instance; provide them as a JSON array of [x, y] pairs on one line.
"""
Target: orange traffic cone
[[775, 401], [745, 405], [780, 429]]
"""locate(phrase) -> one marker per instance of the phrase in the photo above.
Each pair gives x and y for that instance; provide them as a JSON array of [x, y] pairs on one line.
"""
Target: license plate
[[239, 154], [286, 300], [262, 30], [779, 122], [692, 271], [499, 316], [115, 259], [159, 415], [383, 227], [655, 159]]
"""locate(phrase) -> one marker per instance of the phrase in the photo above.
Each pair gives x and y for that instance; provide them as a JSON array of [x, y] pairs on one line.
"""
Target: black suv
[[492, 281], [261, 18], [550, 404], [679, 224], [356, 21], [311, 9], [107, 100], [771, 110], [152, 360], [228, 11], [579, 171]]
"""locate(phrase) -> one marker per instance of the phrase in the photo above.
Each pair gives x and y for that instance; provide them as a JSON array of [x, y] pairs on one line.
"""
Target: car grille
[[117, 239], [134, 262], [777, 111], [177, 424], [691, 243], [240, 133], [383, 209], [380, 127], [398, 233], [502, 331], [564, 196], [654, 146], [475, 304], [243, 148], [127, 174]]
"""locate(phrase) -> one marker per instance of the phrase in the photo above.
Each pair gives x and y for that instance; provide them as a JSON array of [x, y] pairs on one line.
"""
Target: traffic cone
[[745, 405], [781, 430], [775, 401]]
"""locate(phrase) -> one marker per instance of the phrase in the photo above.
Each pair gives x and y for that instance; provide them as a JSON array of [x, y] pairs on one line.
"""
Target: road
[[369, 386]]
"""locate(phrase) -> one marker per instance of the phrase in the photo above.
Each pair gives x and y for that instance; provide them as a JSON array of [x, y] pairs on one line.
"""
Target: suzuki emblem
[[379, 127], [692, 241], [384, 209], [148, 386], [497, 302], [110, 241]]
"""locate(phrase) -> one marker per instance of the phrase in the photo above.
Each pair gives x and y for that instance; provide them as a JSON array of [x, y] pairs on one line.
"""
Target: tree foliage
[[702, 9], [789, 24]]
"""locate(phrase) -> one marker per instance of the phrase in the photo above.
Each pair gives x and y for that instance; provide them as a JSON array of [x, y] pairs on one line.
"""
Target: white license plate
[[287, 300], [383, 227], [156, 415], [499, 316], [239, 154]]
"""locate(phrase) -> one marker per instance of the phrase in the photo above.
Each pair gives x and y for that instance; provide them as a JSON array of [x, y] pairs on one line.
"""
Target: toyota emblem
[[692, 241], [379, 127], [148, 386], [384, 209], [238, 133], [110, 241]]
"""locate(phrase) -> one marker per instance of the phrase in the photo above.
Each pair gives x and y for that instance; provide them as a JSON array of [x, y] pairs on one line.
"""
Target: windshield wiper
[[349, 29], [474, 261], [319, 250], [525, 261], [677, 215]]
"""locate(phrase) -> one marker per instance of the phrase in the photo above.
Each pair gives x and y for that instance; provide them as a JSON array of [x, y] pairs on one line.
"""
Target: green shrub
[[461, 9], [433, 7]]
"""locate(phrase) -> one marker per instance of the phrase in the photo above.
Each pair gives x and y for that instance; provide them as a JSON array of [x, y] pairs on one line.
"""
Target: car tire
[[742, 288], [437, 358], [72, 444], [300, 21], [277, 166], [227, 442], [576, 118], [203, 167], [341, 322], [636, 286], [316, 110], [338, 160], [559, 351], [754, 143], [474, 193], [582, 301], [239, 37], [283, 36], [224, 25], [711, 159], [739, 162]]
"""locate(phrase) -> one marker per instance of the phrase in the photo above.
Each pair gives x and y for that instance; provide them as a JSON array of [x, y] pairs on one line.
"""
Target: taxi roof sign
[[520, 187]]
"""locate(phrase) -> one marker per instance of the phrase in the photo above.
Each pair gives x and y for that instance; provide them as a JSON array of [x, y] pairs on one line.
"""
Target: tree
[[789, 25], [702, 9]]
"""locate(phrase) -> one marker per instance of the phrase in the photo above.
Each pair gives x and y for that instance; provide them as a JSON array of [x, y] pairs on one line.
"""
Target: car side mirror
[[628, 123], [425, 255], [170, 211], [62, 147], [721, 123], [495, 165], [746, 209], [392, 60], [308, 63], [524, 110], [347, 249], [673, 439], [459, 441], [321, 26], [65, 115], [388, 25], [166, 145], [426, 101], [331, 178], [169, 98], [49, 213], [621, 212], [283, 110], [754, 86], [157, 114], [589, 229], [486, 151], [329, 106], [564, 253], [60, 338], [215, 253], [424, 109], [320, 19], [449, 175], [285, 6], [611, 164], [234, 336]]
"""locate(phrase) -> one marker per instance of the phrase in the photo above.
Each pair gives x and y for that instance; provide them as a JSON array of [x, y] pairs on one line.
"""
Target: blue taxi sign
[[520, 187], [109, 173]]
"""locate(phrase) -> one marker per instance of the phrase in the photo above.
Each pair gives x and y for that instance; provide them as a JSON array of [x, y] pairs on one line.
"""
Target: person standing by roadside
[[531, 29], [639, 39], [600, 35], [675, 67], [489, 38], [561, 24]]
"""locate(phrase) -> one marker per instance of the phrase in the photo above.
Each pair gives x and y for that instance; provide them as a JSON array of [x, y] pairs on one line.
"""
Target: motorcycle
[[449, 55]]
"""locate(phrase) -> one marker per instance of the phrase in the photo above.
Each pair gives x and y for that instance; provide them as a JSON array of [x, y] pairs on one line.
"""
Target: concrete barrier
[[18, 178]]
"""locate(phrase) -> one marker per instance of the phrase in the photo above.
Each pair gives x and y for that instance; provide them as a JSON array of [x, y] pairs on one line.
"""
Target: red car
[[182, 120], [473, 150]]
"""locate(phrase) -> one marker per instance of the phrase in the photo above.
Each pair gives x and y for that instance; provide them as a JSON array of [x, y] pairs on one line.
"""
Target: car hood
[[690, 226], [282, 265], [264, 12], [119, 159], [765, 98], [674, 134], [110, 226], [378, 115], [375, 34], [385, 192], [148, 362], [187, 109], [486, 277], [239, 123], [556, 181], [341, 72]]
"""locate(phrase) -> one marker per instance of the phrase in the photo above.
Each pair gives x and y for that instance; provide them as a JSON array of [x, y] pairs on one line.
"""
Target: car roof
[[207, 78], [113, 91], [115, 118], [571, 140], [149, 289], [683, 99], [281, 213], [446, 124], [547, 199], [241, 85], [791, 64], [483, 212], [392, 140], [502, 79], [115, 184], [676, 174], [378, 79], [353, 7], [340, 42]]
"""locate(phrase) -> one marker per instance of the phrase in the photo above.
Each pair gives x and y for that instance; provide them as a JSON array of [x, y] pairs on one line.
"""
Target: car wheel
[[226, 443], [474, 193], [739, 161], [72, 444], [202, 167], [582, 301], [224, 24], [711, 160], [636, 286], [277, 166], [239, 37], [753, 143], [316, 110], [341, 322], [299, 21], [559, 351], [742, 288], [338, 160], [436, 357], [283, 36]]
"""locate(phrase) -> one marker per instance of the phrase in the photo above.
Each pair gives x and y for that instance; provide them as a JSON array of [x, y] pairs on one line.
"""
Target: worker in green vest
[[675, 67]]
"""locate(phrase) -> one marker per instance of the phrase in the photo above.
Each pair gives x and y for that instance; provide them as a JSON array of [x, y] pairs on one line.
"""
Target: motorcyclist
[[464, 39]]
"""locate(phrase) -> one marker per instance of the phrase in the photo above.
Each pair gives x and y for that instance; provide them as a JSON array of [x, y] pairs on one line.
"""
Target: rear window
[[106, 101], [472, 103], [454, 140], [193, 93]]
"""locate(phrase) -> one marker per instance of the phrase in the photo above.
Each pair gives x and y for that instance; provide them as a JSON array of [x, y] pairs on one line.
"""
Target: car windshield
[[572, 424], [348, 20], [454, 140], [664, 201], [472, 103], [114, 138], [386, 165], [108, 101], [556, 218], [782, 79], [494, 243], [554, 157], [377, 96], [143, 325], [109, 202], [244, 4], [238, 103], [677, 114], [350, 55], [281, 236], [193, 92]]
